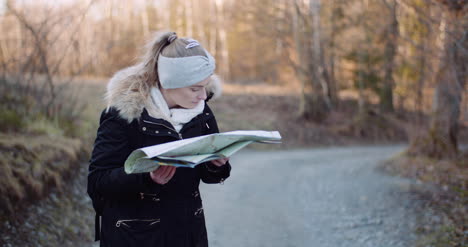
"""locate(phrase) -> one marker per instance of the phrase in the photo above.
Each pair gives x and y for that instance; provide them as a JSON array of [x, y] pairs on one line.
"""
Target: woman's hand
[[220, 162], [163, 174]]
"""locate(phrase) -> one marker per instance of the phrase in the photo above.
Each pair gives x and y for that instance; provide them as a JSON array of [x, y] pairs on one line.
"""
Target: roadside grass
[[444, 218], [33, 165], [40, 153]]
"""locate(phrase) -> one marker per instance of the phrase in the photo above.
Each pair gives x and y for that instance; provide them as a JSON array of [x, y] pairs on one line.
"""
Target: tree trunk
[[165, 13], [300, 59], [422, 56], [362, 100], [179, 20], [221, 26], [321, 87], [189, 18], [386, 92], [441, 140], [213, 32], [145, 20], [279, 19], [333, 90], [199, 20], [313, 104]]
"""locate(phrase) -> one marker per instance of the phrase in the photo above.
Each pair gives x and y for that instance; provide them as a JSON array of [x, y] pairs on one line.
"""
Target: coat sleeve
[[106, 176], [209, 172]]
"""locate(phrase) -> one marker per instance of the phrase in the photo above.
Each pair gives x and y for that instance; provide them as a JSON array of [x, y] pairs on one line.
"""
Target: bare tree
[[441, 139], [318, 66], [332, 47], [250, 40], [312, 69], [297, 25], [222, 34], [391, 37], [145, 19], [40, 62], [188, 5], [213, 31]]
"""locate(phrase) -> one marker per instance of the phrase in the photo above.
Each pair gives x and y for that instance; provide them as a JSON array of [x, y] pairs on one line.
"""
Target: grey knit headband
[[178, 72]]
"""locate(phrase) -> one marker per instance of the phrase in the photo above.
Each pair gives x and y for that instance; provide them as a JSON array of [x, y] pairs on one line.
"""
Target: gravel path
[[321, 197], [328, 197]]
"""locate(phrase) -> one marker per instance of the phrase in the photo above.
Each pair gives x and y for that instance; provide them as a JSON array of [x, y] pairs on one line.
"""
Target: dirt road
[[320, 197]]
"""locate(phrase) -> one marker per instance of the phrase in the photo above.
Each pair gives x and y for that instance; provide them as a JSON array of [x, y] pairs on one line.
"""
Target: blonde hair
[[167, 44], [177, 49], [145, 73]]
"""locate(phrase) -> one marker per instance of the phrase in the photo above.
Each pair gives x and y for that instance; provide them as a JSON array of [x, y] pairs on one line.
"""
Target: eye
[[195, 89]]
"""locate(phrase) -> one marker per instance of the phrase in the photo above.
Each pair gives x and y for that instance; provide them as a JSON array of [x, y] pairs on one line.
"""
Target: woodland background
[[330, 72]]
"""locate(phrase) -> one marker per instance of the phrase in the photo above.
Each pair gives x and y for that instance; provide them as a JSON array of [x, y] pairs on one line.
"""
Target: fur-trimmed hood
[[128, 92]]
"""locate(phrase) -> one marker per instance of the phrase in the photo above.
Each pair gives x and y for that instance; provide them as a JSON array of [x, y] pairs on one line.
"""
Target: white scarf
[[178, 116]]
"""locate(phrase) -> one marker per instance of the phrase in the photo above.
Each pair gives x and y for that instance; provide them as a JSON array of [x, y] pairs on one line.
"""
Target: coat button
[[207, 114], [169, 132], [157, 131], [144, 128]]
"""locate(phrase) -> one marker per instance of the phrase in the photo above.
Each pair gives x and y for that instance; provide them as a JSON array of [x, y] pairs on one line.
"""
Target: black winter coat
[[138, 211]]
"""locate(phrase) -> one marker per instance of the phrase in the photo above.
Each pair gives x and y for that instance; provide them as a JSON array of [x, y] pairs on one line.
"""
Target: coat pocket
[[138, 232], [137, 224]]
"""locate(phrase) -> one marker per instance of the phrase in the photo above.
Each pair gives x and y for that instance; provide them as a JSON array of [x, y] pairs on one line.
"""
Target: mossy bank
[[33, 165]]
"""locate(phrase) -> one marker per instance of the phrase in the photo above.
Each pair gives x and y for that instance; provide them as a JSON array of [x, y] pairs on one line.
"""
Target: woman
[[159, 100]]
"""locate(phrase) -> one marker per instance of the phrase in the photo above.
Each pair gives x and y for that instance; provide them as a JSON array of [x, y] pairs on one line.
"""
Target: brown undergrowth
[[32, 166], [279, 112], [39, 153], [444, 218]]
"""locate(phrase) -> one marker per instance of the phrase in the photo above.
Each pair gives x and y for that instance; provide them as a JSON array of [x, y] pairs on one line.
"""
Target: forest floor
[[444, 200], [245, 107]]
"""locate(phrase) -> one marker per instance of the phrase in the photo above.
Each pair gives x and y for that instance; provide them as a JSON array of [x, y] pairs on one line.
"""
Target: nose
[[202, 95]]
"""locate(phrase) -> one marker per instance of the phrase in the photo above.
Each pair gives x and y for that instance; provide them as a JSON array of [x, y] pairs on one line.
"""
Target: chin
[[189, 106]]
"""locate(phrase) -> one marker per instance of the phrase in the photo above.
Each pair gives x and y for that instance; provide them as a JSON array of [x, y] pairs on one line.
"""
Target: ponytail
[[150, 58]]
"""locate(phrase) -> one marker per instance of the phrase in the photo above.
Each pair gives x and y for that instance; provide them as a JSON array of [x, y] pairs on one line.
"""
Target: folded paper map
[[193, 151]]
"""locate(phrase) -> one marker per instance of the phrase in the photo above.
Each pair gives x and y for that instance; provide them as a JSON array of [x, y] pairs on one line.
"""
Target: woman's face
[[186, 97]]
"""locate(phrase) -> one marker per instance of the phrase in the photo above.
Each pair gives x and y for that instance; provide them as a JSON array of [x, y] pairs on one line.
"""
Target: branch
[[73, 38]]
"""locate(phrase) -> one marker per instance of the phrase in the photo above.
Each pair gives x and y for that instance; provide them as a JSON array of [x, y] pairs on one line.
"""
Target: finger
[[222, 161], [172, 172], [166, 172], [159, 171], [160, 175], [216, 162], [161, 180], [156, 175]]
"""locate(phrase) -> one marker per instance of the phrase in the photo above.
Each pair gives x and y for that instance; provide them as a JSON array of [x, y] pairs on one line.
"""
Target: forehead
[[203, 83]]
